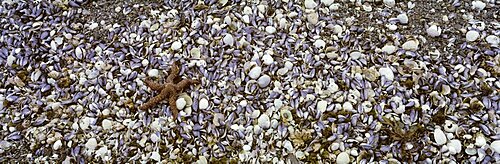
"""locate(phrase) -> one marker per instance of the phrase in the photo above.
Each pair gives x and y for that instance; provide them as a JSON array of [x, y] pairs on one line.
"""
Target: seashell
[[187, 98]]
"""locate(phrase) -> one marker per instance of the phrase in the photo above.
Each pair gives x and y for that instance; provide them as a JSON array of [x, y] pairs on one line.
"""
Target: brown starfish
[[169, 91]]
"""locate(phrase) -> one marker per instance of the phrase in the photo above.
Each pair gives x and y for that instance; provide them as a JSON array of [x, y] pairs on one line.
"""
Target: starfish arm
[[173, 73], [173, 105], [186, 83], [157, 99], [154, 86]]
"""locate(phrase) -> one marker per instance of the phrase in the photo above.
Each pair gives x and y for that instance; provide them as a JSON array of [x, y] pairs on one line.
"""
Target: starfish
[[168, 91]]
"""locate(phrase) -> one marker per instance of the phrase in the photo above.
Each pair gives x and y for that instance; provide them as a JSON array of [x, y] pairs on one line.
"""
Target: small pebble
[[245, 19], [100, 65], [55, 105], [299, 154], [450, 126], [354, 152], [255, 72], [471, 36], [312, 18], [118, 9], [217, 119], [264, 81], [367, 106], [288, 65], [93, 26], [470, 151], [58, 40], [399, 110], [367, 8]]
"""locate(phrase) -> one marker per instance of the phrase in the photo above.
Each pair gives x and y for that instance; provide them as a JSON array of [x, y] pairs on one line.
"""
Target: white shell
[[327, 2], [255, 72], [91, 144], [310, 4], [434, 31], [389, 49], [411, 45], [403, 18], [495, 146], [471, 36], [321, 106], [264, 81], [228, 39], [187, 98], [387, 73], [264, 122], [439, 137], [203, 104], [480, 140], [390, 3], [479, 5], [153, 73], [267, 59], [343, 158], [270, 29], [176, 45], [454, 146], [319, 43]]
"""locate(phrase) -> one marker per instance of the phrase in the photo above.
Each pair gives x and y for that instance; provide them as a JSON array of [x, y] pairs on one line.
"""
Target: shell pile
[[282, 81]]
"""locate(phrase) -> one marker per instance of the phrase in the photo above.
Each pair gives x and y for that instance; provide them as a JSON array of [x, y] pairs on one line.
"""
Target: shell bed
[[278, 81]]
